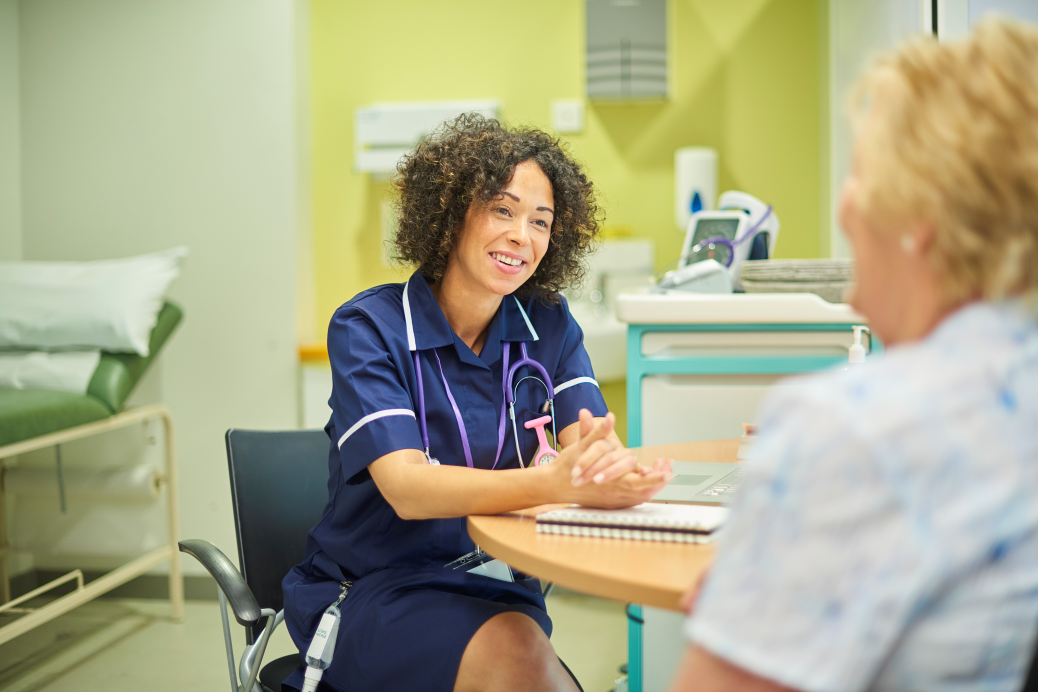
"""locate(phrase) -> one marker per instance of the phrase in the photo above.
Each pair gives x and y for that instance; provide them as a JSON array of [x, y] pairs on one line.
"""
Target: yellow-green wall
[[745, 79]]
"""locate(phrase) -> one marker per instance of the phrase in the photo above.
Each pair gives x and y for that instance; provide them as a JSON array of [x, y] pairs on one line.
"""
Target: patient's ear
[[924, 234]]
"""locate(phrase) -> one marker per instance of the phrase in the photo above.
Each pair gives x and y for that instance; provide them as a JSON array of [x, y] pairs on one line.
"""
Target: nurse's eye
[[543, 224], [504, 211]]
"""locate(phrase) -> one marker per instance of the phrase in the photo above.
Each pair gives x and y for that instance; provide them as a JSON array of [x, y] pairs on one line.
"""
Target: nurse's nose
[[518, 232]]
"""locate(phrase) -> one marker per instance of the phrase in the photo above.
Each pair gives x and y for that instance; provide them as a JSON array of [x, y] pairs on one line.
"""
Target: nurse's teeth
[[507, 260]]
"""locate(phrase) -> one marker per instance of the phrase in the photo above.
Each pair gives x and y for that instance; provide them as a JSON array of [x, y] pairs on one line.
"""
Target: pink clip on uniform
[[544, 451]]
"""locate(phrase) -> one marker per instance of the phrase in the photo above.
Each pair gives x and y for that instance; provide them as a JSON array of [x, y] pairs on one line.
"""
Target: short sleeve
[[820, 566], [371, 406], [574, 380]]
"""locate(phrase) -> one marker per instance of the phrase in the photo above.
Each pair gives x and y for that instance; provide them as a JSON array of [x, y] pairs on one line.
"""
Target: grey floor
[[132, 645]]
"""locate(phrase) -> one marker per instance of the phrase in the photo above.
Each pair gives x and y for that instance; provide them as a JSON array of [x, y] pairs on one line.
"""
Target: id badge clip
[[481, 563]]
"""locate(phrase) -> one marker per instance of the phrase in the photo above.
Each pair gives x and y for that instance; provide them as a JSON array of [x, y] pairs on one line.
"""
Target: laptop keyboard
[[726, 488]]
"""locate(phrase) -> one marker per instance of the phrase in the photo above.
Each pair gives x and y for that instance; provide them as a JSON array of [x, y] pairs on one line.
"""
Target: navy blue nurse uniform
[[406, 620]]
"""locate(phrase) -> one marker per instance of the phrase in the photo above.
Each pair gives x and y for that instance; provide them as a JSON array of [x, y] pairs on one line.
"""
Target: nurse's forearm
[[418, 490]]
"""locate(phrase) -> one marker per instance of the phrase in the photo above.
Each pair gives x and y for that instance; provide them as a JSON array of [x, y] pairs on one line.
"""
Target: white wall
[[858, 30], [10, 183], [1021, 9], [961, 15], [306, 284], [153, 123]]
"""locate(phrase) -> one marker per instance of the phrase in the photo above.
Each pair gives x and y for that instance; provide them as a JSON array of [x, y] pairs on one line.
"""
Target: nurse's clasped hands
[[600, 471], [593, 469]]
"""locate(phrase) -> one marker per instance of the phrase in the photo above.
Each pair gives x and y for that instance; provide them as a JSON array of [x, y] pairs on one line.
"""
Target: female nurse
[[497, 222]]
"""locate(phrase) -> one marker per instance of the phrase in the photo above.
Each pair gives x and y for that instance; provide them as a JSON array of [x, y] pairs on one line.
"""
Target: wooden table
[[646, 572]]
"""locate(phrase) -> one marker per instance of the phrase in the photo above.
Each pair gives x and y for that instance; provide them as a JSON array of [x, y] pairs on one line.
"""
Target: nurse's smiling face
[[501, 243]]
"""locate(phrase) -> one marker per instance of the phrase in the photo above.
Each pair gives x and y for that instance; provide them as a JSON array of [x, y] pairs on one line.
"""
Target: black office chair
[[279, 487], [278, 492], [1031, 681]]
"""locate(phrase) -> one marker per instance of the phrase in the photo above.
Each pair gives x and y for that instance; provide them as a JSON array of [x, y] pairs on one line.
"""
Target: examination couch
[[32, 419]]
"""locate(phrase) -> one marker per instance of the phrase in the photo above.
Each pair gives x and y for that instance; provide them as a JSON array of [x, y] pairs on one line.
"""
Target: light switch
[[567, 116]]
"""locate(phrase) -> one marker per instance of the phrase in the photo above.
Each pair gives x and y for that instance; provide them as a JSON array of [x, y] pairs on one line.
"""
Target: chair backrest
[[279, 488], [1031, 681]]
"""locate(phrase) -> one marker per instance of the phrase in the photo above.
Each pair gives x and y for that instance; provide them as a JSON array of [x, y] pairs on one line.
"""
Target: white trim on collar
[[407, 319], [527, 320]]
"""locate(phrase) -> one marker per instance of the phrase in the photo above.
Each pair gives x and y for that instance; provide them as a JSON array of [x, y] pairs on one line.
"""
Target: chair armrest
[[239, 595]]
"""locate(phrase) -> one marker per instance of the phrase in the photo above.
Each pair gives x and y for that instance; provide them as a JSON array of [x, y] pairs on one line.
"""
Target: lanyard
[[506, 350]]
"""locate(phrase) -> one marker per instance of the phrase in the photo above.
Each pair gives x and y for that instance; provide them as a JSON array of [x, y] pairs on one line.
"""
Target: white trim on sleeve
[[410, 327], [576, 380], [527, 320], [375, 416]]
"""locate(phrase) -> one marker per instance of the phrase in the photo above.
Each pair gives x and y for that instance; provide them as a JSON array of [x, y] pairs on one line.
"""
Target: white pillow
[[66, 371], [110, 304]]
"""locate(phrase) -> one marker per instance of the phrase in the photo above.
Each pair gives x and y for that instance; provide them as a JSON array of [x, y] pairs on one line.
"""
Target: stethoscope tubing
[[509, 393], [526, 360]]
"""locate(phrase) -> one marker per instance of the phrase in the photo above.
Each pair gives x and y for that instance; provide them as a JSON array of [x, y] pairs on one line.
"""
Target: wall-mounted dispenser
[[627, 49], [384, 132], [695, 183]]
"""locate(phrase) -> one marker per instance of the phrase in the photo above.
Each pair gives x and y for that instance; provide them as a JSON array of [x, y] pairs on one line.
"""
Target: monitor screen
[[715, 228], [707, 228]]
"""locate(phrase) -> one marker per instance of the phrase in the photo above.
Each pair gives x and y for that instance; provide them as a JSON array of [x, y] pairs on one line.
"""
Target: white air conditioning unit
[[384, 132]]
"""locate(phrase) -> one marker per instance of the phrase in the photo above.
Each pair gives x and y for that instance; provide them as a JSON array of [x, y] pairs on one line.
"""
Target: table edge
[[572, 577]]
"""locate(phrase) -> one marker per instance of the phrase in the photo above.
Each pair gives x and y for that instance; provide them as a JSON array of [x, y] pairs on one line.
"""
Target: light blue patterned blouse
[[886, 534]]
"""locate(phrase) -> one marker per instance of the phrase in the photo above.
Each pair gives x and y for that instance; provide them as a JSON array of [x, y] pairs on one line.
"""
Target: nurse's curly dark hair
[[469, 161]]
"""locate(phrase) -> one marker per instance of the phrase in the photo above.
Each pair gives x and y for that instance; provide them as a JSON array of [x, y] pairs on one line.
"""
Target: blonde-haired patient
[[886, 537]]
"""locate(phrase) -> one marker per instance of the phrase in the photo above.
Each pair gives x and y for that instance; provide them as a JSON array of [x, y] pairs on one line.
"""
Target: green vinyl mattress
[[29, 413]]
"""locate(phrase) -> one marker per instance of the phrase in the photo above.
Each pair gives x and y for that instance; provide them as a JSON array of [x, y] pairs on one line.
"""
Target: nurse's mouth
[[507, 263]]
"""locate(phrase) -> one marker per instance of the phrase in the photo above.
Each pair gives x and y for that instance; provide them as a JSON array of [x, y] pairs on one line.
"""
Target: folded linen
[[65, 371]]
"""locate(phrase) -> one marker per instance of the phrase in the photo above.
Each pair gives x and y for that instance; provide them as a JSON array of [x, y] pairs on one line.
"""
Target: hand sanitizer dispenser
[[857, 349], [695, 183]]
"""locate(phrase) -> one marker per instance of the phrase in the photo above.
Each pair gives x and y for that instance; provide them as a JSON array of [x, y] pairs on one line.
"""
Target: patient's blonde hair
[[954, 143]]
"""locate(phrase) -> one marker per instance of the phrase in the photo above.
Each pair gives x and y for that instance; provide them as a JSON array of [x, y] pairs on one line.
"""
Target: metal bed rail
[[86, 592]]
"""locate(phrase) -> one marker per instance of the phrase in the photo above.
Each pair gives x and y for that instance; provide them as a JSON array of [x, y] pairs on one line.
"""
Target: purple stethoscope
[[545, 453]]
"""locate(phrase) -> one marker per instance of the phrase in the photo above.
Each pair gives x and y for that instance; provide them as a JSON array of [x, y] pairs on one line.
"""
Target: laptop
[[702, 482]]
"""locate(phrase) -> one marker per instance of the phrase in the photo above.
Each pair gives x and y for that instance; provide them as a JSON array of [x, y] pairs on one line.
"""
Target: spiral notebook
[[645, 522]]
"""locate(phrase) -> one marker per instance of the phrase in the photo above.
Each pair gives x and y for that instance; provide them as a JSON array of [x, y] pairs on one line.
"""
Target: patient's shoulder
[[977, 363], [935, 417]]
